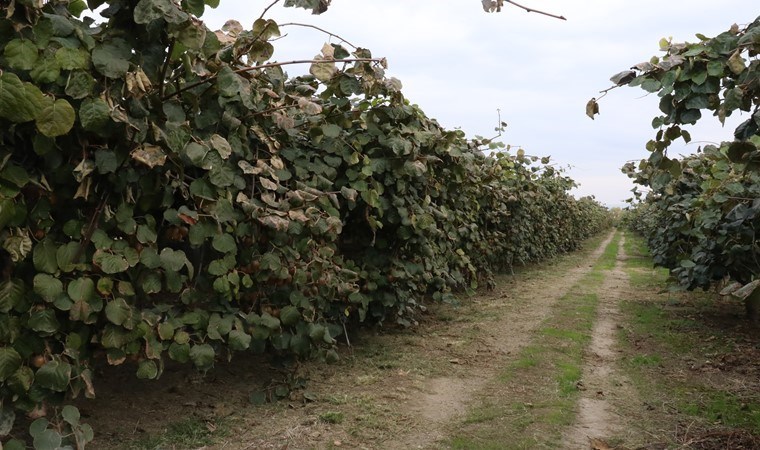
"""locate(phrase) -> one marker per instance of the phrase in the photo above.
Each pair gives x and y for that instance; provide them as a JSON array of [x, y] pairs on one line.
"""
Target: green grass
[[666, 332], [185, 434], [333, 417], [646, 360], [720, 407]]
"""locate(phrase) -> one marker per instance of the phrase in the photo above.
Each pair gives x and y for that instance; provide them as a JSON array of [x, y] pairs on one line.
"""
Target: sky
[[464, 67]]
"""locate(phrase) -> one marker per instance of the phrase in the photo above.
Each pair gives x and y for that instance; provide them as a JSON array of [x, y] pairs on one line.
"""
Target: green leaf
[[80, 85], [21, 381], [289, 315], [165, 331], [239, 340], [14, 444], [269, 321], [72, 58], [94, 114], [112, 58], [70, 415], [47, 440], [196, 153], [44, 321], [21, 54], [192, 36], [77, 7], [196, 7], [149, 258], [7, 418], [44, 257], [151, 283], [652, 85], [81, 289], [323, 71], [47, 70], [331, 131], [118, 311], [271, 261], [11, 294], [54, 375], [48, 287], [348, 193], [56, 119], [106, 161], [202, 356], [147, 370], [222, 176], [715, 68], [179, 352], [65, 256], [110, 263], [7, 211], [147, 11], [224, 243], [114, 337], [173, 260], [19, 101], [10, 361], [228, 82], [60, 24], [146, 235]]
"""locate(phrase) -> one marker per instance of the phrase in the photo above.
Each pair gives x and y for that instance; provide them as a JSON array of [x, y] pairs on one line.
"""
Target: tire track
[[445, 399], [602, 382]]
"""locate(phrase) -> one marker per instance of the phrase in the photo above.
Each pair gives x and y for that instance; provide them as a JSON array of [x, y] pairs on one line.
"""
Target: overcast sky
[[461, 64]]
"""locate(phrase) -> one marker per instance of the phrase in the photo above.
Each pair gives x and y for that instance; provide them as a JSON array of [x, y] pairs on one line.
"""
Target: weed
[[645, 360], [186, 434], [333, 417]]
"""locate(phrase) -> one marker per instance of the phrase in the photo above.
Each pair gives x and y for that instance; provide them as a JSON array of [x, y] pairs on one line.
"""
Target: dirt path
[[603, 385], [445, 399]]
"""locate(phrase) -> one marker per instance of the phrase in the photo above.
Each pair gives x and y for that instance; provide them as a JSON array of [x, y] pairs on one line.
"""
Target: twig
[[345, 333], [267, 8], [91, 227], [277, 64], [317, 28], [606, 91], [536, 11], [165, 68]]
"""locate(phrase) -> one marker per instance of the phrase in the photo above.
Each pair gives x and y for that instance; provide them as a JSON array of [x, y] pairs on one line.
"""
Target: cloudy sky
[[461, 65]]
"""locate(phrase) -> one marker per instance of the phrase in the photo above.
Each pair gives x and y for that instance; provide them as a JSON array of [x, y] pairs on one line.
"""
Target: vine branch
[[276, 64], [606, 91], [317, 28], [268, 8], [536, 10], [165, 68]]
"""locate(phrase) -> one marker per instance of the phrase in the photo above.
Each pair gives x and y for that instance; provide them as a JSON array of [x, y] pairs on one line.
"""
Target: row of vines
[[168, 193], [701, 213]]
